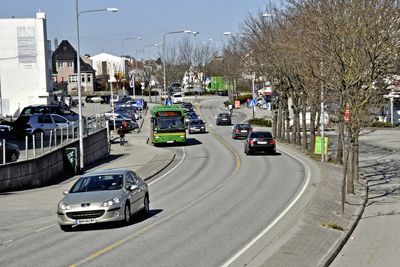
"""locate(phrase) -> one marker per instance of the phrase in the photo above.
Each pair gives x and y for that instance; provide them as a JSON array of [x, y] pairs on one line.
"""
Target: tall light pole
[[164, 57], [78, 13], [129, 38]]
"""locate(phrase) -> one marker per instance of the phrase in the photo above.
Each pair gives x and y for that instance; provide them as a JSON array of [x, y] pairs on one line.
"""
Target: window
[[83, 78], [59, 64], [89, 78], [72, 78], [70, 64], [44, 119], [58, 119]]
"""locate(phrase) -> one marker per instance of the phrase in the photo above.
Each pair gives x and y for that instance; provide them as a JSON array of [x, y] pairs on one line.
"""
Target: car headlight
[[110, 202], [63, 206]]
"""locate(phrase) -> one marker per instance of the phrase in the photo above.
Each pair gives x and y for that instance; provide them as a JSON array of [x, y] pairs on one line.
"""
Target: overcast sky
[[149, 19]]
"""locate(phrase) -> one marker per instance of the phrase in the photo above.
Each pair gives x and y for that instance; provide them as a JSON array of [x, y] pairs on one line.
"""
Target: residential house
[[65, 72]]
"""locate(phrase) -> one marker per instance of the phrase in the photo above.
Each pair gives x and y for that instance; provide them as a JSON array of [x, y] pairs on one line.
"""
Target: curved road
[[203, 212]]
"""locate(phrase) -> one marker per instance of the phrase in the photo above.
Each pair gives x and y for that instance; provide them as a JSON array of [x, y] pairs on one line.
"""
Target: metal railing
[[36, 146]]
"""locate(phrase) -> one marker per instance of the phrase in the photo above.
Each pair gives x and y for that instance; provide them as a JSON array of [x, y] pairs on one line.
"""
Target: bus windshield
[[169, 124]]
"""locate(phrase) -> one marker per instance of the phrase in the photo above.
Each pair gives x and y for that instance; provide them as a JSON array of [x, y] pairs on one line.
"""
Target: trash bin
[[70, 160]]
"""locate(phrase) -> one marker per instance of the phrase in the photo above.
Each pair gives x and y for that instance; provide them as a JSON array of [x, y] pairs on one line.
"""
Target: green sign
[[318, 145]]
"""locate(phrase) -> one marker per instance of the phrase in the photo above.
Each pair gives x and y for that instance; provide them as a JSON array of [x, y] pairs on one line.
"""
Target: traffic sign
[[252, 103], [347, 115]]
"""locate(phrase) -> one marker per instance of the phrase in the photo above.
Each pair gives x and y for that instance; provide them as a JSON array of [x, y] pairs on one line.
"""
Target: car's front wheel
[[146, 205], [127, 214]]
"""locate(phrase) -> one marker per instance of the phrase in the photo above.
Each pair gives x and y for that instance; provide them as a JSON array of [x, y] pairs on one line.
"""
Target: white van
[[177, 98]]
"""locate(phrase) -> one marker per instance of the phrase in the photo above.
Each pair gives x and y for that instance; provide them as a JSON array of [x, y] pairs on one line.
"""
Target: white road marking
[[5, 243], [44, 228], [277, 219], [171, 170]]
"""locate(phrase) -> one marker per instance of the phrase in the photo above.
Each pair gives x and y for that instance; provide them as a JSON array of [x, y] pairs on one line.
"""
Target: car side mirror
[[133, 187], [66, 192]]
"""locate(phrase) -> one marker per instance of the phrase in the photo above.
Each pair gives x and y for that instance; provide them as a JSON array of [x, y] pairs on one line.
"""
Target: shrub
[[380, 124], [260, 122]]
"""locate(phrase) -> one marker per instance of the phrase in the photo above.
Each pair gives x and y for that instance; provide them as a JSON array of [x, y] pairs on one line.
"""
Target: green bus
[[167, 125]]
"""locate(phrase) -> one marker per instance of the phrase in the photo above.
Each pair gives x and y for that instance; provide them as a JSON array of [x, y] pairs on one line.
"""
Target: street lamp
[[78, 13], [129, 38], [164, 58]]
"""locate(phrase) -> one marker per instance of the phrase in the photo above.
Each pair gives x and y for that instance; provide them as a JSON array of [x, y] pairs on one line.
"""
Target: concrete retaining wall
[[50, 166]]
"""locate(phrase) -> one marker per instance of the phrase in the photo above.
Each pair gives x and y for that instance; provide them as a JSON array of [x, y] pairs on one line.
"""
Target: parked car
[[75, 102], [196, 126], [94, 99], [37, 124], [177, 98], [12, 152], [223, 118], [103, 196], [50, 109], [260, 141], [241, 130], [130, 125]]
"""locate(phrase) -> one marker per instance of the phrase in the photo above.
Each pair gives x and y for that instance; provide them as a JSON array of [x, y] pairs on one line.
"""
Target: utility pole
[[322, 122]]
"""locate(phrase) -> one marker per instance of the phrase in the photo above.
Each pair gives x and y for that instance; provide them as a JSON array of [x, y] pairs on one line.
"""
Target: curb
[[333, 253], [161, 169]]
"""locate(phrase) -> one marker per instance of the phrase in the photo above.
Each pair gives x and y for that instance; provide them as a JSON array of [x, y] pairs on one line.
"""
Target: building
[[25, 64], [64, 61]]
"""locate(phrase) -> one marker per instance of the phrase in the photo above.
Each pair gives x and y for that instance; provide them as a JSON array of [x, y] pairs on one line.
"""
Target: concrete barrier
[[52, 165]]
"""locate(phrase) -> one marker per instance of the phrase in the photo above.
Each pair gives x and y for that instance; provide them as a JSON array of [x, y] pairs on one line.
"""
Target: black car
[[127, 124], [241, 130], [224, 118], [187, 106], [196, 126], [260, 141], [50, 109], [12, 152]]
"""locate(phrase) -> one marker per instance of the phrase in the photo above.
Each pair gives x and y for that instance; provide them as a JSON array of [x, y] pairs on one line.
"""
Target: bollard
[[26, 147], [55, 137], [67, 133]]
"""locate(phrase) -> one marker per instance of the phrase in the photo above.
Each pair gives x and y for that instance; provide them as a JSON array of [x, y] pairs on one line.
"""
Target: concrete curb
[[334, 252], [145, 178]]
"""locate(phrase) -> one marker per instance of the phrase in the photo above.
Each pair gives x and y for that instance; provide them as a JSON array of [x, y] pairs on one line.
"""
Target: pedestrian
[[230, 108], [121, 134]]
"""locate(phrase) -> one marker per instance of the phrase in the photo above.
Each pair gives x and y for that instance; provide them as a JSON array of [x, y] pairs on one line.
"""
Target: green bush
[[260, 122], [380, 124]]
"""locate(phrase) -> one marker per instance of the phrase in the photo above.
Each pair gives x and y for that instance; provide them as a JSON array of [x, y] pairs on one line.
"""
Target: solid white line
[[252, 242], [44, 228], [171, 170]]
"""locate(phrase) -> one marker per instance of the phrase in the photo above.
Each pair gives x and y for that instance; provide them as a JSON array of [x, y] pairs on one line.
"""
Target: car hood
[[91, 197]]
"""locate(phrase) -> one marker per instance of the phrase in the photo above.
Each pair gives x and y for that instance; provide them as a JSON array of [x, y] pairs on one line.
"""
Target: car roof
[[106, 172]]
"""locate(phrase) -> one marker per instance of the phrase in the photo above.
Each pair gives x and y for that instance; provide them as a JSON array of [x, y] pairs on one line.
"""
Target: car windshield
[[224, 115], [196, 122], [98, 183]]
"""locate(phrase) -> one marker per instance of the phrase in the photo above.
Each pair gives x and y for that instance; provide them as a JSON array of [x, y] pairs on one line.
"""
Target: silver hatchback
[[103, 196]]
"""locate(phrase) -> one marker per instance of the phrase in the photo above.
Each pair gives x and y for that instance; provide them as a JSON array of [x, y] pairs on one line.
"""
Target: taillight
[[237, 130], [250, 141], [272, 142]]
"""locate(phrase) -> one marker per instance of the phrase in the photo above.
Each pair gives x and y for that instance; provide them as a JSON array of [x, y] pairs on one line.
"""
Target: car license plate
[[197, 130], [85, 221], [262, 143], [170, 142], [243, 131], [224, 119]]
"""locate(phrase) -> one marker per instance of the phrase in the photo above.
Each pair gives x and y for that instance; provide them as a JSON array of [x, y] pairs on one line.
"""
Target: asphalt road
[[205, 209]]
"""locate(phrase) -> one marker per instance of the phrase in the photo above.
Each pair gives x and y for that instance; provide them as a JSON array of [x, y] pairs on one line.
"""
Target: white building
[[25, 64], [104, 64]]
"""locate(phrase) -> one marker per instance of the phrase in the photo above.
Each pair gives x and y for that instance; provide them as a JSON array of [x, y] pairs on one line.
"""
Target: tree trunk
[[274, 122], [280, 121], [287, 126], [304, 122], [344, 178], [312, 128], [339, 151], [350, 164], [356, 174]]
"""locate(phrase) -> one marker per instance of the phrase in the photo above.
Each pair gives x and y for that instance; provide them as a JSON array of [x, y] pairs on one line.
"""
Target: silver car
[[103, 196]]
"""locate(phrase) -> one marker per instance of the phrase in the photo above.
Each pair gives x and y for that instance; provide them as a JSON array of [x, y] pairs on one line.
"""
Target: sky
[[149, 19]]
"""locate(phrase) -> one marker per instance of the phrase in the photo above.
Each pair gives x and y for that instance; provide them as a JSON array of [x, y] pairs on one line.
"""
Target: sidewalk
[[372, 214]]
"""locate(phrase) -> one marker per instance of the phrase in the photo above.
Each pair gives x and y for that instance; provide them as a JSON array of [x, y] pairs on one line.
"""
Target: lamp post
[[78, 13], [129, 38], [164, 57]]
